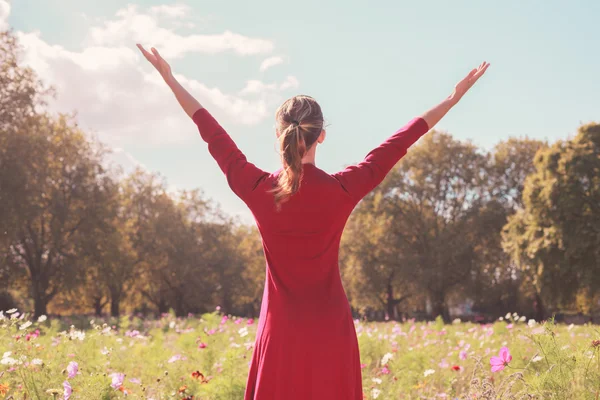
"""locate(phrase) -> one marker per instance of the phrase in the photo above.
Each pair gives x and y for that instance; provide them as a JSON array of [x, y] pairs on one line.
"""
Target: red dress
[[306, 346]]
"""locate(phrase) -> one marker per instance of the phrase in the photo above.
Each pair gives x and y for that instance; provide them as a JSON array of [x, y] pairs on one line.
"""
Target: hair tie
[[295, 123]]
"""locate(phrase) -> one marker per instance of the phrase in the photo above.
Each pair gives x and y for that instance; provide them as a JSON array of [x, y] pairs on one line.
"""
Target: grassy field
[[207, 358]]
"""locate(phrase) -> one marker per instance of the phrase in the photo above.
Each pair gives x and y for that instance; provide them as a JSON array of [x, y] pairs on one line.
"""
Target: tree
[[60, 198], [555, 237]]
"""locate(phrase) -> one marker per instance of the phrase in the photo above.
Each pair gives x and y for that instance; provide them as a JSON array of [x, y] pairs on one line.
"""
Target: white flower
[[2, 317], [8, 361], [457, 321], [12, 310], [386, 358], [501, 319], [571, 327], [537, 358], [375, 393], [7, 354], [25, 325], [42, 318], [37, 361], [105, 351], [172, 324], [523, 319], [74, 334], [377, 380], [243, 332], [428, 372], [531, 323], [515, 315], [508, 316]]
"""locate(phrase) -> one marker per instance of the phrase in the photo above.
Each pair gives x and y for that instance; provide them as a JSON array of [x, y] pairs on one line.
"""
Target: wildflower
[[25, 325], [444, 364], [508, 316], [509, 326], [386, 358], [362, 366], [37, 361], [250, 321], [385, 370], [595, 343], [202, 345], [11, 311], [456, 368], [42, 318], [377, 381], [182, 389], [68, 390], [375, 393], [243, 332], [500, 362], [537, 358], [3, 389], [523, 319], [462, 355], [117, 380], [224, 319], [72, 369], [531, 323], [428, 372], [176, 357], [136, 381]]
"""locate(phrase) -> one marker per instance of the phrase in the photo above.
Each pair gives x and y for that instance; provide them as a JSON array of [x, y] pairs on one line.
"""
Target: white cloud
[[270, 62], [139, 27], [121, 98], [4, 13], [171, 10]]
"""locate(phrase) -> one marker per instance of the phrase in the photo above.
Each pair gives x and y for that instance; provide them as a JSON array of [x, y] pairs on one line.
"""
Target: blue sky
[[372, 66]]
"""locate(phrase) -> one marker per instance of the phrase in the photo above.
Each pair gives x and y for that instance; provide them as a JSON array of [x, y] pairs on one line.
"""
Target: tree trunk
[[115, 302], [390, 303], [98, 305], [39, 304], [439, 307], [538, 306]]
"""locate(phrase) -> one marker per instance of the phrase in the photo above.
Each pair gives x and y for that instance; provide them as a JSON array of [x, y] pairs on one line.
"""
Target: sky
[[371, 65]]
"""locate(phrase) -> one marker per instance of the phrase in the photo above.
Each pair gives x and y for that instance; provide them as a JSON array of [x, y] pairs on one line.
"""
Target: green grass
[[400, 361]]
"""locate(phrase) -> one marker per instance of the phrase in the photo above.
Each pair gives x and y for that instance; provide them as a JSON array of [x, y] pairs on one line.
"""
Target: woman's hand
[[158, 62], [464, 85]]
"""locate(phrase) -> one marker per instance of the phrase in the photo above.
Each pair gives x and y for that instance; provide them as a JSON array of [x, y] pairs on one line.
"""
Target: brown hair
[[299, 124]]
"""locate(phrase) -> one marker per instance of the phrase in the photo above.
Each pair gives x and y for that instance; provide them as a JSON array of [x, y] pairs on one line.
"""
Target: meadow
[[206, 357]]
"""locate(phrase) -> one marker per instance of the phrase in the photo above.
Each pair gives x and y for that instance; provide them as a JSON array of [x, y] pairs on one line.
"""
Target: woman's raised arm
[[358, 180], [242, 176]]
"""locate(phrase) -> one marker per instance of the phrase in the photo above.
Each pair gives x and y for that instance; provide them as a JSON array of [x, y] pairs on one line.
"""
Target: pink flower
[[462, 355], [117, 380], [250, 321], [202, 345], [385, 370], [444, 364], [238, 321], [509, 326], [362, 366], [72, 369], [224, 319], [500, 362], [68, 390]]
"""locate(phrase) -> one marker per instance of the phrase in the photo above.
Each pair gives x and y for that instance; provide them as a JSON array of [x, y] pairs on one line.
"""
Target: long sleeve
[[358, 180], [242, 176]]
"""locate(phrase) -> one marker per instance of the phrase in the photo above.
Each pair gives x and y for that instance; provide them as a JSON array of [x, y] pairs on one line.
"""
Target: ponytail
[[293, 148], [300, 122]]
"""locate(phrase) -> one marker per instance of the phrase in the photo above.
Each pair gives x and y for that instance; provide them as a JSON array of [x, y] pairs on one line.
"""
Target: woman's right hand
[[467, 82], [158, 62]]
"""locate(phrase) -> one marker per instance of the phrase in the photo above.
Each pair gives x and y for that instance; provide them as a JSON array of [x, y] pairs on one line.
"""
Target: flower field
[[206, 357]]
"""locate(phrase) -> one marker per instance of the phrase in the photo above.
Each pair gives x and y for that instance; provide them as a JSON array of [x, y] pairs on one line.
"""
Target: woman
[[306, 346]]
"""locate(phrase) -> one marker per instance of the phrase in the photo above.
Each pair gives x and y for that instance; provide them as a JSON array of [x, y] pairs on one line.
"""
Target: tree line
[[514, 228]]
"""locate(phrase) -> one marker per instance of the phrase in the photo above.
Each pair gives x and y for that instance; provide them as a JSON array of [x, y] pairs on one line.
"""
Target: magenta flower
[[500, 362], [385, 370], [117, 380], [202, 345], [72, 369], [250, 321], [68, 390]]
